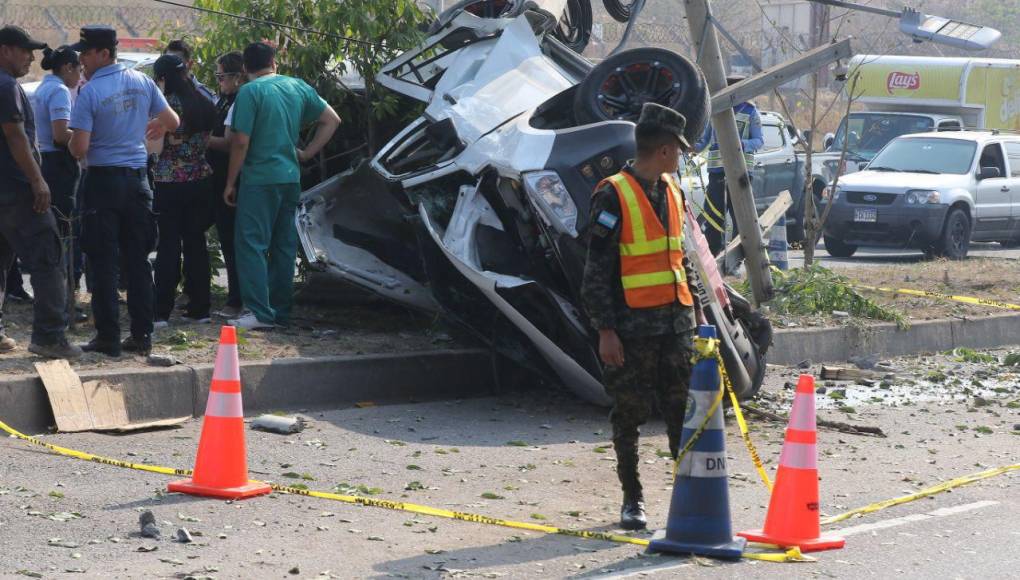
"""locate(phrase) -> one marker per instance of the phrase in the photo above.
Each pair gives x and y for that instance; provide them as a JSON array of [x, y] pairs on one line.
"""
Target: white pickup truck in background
[[907, 94]]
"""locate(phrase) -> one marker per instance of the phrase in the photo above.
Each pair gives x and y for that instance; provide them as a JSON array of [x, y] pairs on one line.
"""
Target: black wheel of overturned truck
[[619, 10], [838, 248], [574, 27], [619, 86], [955, 241]]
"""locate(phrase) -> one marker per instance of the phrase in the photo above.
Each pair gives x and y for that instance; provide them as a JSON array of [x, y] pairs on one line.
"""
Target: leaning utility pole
[[738, 181]]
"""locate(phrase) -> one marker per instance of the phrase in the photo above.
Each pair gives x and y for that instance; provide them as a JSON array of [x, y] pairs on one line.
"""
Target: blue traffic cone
[[699, 514]]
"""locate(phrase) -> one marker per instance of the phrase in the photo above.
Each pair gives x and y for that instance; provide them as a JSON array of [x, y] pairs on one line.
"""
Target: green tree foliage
[[388, 28]]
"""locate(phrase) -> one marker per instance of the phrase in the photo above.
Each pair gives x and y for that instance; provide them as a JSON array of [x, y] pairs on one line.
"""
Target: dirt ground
[[318, 329], [985, 278]]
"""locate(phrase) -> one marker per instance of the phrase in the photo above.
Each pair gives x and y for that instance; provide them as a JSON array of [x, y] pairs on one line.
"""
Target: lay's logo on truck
[[902, 81]]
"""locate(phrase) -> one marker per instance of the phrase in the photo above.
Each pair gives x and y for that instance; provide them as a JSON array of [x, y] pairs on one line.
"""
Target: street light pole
[[938, 29], [738, 181]]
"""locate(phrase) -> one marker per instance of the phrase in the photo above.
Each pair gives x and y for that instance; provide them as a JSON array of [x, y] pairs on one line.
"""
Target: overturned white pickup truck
[[479, 208]]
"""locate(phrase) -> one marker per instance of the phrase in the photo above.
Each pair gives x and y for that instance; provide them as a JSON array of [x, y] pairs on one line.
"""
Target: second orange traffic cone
[[792, 519], [221, 467]]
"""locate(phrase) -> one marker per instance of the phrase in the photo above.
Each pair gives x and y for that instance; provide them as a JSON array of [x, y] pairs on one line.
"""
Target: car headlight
[[829, 195], [923, 196], [546, 189]]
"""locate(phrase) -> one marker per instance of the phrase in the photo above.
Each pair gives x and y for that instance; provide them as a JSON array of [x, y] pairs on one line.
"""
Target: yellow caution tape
[[745, 433], [939, 296], [792, 555], [929, 491]]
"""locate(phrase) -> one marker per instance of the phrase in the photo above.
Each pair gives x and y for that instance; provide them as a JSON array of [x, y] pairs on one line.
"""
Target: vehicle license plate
[[865, 214]]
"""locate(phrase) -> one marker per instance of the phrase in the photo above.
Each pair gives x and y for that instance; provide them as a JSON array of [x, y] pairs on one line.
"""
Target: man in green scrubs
[[266, 121]]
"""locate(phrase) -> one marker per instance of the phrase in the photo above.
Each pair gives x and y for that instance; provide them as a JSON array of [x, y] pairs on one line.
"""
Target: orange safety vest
[[651, 262]]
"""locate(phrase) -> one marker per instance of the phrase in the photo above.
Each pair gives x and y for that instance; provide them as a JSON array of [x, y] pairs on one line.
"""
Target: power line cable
[[273, 24]]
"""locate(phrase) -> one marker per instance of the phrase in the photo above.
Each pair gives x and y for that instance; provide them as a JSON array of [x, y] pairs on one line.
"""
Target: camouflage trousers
[[656, 368]]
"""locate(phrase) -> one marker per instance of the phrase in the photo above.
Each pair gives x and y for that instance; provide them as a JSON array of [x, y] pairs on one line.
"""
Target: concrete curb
[[792, 346], [163, 393]]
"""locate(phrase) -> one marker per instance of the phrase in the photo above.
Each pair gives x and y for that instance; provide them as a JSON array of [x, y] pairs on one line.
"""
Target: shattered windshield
[[869, 132]]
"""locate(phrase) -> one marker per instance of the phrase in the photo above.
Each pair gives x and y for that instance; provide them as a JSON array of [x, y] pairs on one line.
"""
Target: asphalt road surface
[[538, 457], [879, 256]]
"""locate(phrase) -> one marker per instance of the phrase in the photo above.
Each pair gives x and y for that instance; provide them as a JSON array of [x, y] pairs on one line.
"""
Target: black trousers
[[716, 203], [33, 237], [224, 216], [182, 213], [118, 226], [62, 175], [15, 282]]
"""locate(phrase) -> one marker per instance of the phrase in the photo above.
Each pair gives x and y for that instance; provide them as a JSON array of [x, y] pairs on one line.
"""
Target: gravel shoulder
[[536, 456]]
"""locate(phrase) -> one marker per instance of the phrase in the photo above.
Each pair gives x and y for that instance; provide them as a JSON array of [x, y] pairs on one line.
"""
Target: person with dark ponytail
[[183, 197], [229, 76], [52, 106]]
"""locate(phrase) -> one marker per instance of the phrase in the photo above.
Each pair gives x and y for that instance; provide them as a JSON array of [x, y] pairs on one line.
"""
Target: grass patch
[[818, 290], [970, 355], [1012, 360], [361, 489]]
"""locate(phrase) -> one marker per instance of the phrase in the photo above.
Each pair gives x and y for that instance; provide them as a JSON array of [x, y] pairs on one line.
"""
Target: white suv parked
[[932, 191]]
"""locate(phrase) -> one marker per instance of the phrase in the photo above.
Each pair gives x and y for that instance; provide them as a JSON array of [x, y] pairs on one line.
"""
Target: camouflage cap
[[665, 118]]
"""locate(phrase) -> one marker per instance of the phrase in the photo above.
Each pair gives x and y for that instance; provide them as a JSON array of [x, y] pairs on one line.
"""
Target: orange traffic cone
[[792, 518], [221, 468]]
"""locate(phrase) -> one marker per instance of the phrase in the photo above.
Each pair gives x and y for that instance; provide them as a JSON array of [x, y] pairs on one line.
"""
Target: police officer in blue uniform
[[717, 202], [116, 111]]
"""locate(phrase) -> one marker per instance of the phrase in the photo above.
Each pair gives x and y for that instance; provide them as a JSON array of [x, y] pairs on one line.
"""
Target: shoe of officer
[[19, 295], [7, 344], [60, 349], [109, 348], [139, 346], [632, 514], [80, 315]]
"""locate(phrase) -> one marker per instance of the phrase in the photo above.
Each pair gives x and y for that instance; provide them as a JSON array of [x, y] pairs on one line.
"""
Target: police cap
[[96, 36]]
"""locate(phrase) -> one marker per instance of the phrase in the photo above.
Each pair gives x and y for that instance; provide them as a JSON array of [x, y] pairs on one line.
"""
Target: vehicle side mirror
[[806, 135], [828, 141], [989, 173]]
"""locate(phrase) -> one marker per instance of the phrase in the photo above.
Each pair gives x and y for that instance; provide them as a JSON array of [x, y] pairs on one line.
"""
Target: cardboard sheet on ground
[[89, 406]]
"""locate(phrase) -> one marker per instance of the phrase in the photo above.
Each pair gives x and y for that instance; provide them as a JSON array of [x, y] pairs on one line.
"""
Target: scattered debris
[[864, 362], [822, 423], [184, 536], [147, 523], [161, 360], [278, 424], [845, 374]]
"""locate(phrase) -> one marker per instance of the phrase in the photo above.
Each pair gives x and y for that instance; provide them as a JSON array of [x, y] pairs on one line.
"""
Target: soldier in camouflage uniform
[[646, 351]]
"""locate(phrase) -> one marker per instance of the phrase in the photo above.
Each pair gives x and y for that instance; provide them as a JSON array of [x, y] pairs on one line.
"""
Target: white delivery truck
[[911, 94]]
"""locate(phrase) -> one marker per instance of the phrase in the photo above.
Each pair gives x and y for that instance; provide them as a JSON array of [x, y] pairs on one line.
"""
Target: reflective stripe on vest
[[714, 158], [651, 256]]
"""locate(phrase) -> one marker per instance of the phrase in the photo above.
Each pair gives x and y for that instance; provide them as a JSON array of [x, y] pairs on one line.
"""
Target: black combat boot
[[632, 514]]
